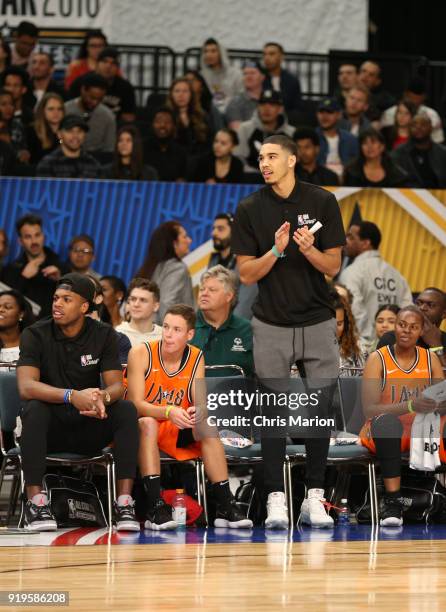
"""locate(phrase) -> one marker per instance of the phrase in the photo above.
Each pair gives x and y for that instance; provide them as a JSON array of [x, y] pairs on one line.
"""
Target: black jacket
[[290, 89], [395, 176], [402, 155]]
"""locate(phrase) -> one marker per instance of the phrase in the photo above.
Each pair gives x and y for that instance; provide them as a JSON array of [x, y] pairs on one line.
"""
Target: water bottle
[[344, 513], [179, 509]]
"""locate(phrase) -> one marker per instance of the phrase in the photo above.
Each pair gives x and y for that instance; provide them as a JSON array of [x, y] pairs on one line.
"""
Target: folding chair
[[12, 460]]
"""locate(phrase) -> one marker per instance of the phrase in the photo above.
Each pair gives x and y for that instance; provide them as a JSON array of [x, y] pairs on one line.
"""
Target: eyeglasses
[[84, 251]]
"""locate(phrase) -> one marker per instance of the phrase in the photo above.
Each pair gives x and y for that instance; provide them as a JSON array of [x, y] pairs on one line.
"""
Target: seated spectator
[[41, 72], [385, 320], [356, 105], [224, 80], [59, 419], [307, 167], [5, 56], [393, 381], [8, 165], [143, 302], [350, 351], [101, 121], [220, 166], [371, 280], [114, 292], [164, 266], [399, 132], [128, 163], [162, 151], [69, 161], [374, 167], [96, 312], [379, 99], [223, 337], [421, 157], [81, 255], [416, 93], [192, 127], [16, 81], [347, 78], [268, 120], [279, 79], [95, 42], [35, 272], [243, 106], [15, 316], [204, 97], [120, 95], [26, 37], [337, 146], [163, 383], [43, 135], [11, 128], [432, 303], [221, 237]]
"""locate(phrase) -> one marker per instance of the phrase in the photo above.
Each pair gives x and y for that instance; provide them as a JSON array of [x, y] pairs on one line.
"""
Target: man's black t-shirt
[[70, 363], [293, 293], [389, 339]]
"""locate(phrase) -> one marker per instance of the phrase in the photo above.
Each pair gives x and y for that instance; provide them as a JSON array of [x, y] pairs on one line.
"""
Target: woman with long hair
[[114, 292], [43, 134], [192, 124], [350, 351], [128, 163], [15, 316], [204, 96], [374, 167], [95, 41], [163, 265], [220, 166], [399, 132]]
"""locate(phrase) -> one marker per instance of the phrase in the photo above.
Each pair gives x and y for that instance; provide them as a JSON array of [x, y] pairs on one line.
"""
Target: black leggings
[[52, 428], [387, 431]]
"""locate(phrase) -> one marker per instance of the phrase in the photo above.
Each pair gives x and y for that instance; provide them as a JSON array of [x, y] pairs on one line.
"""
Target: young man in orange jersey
[[162, 382]]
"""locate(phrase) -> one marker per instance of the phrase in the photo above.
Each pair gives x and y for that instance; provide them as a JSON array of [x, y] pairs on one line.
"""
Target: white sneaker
[[313, 512], [277, 511]]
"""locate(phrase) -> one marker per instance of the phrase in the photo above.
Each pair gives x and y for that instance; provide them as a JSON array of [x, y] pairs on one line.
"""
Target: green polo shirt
[[231, 343]]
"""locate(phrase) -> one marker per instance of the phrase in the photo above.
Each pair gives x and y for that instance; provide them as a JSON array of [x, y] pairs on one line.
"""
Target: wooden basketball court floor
[[346, 568]]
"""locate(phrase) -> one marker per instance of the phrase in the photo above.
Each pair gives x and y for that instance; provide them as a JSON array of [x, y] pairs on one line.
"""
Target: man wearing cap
[[242, 107], [101, 121], [120, 95], [69, 161], [337, 146], [62, 361], [269, 119]]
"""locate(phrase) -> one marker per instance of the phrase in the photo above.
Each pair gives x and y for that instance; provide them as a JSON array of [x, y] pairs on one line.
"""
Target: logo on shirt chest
[[87, 360], [238, 346], [304, 219]]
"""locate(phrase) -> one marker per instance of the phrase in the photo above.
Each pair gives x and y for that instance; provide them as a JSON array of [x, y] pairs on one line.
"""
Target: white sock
[[124, 500], [41, 499]]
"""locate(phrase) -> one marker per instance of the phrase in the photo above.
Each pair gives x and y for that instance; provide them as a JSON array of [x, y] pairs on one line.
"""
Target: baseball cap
[[330, 105], [270, 96], [77, 283], [71, 121]]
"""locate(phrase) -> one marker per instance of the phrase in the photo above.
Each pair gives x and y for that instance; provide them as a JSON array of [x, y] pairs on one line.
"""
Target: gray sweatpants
[[276, 349]]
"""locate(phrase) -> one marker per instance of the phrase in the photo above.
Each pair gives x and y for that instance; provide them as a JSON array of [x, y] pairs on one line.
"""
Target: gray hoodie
[[225, 82]]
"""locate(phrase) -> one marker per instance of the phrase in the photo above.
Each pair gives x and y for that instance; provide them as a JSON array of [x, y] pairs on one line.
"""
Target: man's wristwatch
[[107, 398]]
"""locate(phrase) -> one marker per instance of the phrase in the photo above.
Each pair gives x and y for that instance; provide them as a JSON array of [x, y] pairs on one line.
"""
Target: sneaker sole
[[277, 524], [392, 521], [243, 524], [49, 526], [169, 526], [306, 520], [128, 526]]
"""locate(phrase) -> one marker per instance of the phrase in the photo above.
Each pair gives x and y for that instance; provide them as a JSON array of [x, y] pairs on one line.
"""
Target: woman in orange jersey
[[393, 381], [161, 381]]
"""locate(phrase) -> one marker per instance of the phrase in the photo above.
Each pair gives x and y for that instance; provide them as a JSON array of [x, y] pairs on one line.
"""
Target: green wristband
[[410, 406], [167, 412], [276, 252]]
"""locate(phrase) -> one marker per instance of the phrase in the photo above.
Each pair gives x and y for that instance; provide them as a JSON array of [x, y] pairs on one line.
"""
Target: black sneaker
[[39, 518], [160, 518], [125, 517], [392, 512], [229, 515]]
